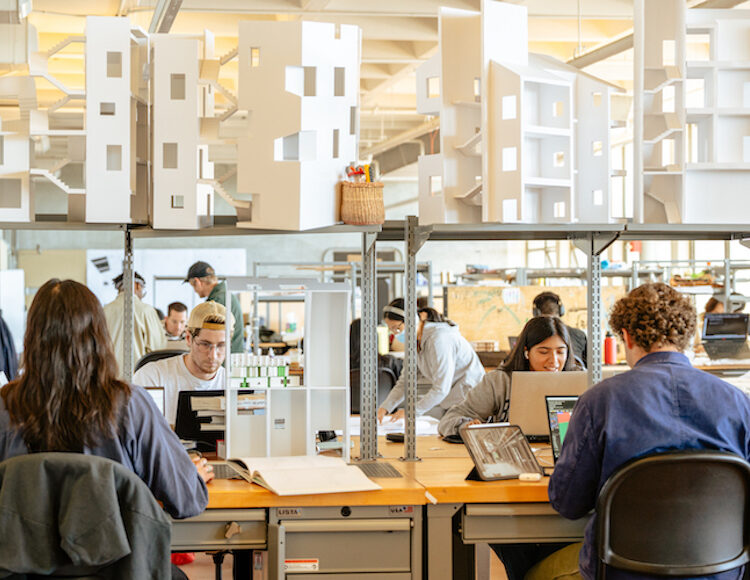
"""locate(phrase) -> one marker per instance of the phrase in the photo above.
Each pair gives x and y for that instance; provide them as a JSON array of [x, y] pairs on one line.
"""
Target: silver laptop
[[528, 408]]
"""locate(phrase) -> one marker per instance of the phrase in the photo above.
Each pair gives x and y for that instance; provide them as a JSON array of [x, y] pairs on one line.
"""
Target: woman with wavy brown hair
[[68, 398]]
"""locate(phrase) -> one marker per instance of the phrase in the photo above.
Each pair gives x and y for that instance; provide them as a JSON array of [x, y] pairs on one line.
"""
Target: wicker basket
[[362, 203]]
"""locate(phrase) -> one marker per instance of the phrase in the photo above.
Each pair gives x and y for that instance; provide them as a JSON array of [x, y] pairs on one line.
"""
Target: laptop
[[725, 335], [559, 411], [196, 412], [194, 417], [527, 392], [158, 395]]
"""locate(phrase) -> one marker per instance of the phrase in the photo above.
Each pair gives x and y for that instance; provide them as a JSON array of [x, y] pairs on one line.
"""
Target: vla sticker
[[401, 509], [301, 565]]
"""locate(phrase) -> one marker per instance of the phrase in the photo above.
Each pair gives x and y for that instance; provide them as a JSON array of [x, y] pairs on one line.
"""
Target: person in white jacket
[[444, 358], [543, 345]]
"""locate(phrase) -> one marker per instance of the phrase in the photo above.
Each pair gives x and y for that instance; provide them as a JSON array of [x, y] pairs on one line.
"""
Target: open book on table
[[302, 475]]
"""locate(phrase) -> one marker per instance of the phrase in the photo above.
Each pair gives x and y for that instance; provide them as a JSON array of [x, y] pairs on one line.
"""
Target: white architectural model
[[510, 141], [695, 93], [299, 82], [104, 141], [142, 143], [115, 99], [659, 38], [15, 194], [180, 160]]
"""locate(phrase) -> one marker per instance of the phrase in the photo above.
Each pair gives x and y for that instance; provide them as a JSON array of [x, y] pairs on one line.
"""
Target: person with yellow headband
[[201, 368]]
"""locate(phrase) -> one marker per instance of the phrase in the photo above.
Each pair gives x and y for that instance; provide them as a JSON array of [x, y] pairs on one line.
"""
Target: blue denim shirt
[[663, 403]]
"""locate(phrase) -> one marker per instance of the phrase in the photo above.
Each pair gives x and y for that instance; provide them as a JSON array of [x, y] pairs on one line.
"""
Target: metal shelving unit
[[592, 239]]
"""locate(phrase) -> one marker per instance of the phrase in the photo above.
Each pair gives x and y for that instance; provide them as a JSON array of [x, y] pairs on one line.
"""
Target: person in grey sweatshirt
[[444, 358], [543, 345]]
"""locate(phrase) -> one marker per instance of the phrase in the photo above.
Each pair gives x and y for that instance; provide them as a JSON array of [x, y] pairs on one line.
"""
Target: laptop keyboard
[[379, 470]]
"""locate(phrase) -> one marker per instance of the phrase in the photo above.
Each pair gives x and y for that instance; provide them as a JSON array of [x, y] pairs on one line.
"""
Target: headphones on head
[[544, 296]]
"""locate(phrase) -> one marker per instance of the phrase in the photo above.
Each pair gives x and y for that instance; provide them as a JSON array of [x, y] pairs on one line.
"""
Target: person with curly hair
[[661, 404]]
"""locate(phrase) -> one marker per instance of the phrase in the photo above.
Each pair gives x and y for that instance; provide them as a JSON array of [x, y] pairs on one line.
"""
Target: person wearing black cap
[[202, 278], [148, 332], [549, 304]]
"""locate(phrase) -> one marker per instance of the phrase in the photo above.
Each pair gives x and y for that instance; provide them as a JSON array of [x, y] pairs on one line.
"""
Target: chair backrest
[[73, 515], [386, 380], [675, 514], [155, 355]]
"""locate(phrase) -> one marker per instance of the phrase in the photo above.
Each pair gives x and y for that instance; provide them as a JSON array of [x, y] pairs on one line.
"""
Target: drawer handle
[[232, 529]]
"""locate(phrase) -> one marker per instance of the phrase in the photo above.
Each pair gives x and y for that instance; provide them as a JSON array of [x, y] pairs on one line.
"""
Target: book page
[[315, 480], [302, 475]]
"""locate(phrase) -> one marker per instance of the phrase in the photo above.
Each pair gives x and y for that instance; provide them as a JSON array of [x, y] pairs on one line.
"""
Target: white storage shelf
[[294, 415]]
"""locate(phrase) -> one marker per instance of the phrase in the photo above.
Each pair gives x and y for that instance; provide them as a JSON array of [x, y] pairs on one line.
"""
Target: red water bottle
[[610, 349]]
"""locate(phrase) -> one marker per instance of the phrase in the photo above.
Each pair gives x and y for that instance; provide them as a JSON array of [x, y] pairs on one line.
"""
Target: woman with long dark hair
[[543, 345], [444, 358], [68, 398]]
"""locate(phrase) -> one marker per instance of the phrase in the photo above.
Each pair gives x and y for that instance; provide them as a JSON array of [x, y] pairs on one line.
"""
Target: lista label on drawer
[[289, 511], [301, 565]]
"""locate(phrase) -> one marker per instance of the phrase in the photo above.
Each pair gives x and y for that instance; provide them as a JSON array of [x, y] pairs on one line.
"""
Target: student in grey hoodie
[[543, 345], [444, 358]]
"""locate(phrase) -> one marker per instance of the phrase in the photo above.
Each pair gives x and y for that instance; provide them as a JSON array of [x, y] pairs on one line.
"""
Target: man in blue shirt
[[662, 404]]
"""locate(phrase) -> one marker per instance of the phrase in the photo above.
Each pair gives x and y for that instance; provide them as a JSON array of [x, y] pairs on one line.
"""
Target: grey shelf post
[[728, 284], [255, 322], [368, 377], [128, 279], [353, 267], [593, 245], [414, 237]]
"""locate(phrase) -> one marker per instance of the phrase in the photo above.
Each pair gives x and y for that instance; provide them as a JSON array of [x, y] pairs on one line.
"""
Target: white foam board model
[[659, 36], [176, 127], [15, 195], [109, 150], [717, 123], [299, 82], [510, 133]]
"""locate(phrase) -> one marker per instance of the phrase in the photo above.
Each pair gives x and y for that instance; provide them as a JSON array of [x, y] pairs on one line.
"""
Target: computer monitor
[[195, 415], [527, 392], [725, 326], [559, 411]]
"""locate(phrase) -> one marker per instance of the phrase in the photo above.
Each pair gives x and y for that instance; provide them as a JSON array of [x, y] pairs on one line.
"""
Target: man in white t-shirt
[[201, 368]]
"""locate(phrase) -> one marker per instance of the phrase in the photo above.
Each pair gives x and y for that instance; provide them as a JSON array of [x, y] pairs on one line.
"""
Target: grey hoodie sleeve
[[485, 400]]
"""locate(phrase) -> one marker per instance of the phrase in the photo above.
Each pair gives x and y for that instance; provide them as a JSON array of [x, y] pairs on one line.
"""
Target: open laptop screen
[[200, 417], [729, 326], [559, 411], [157, 394], [528, 389]]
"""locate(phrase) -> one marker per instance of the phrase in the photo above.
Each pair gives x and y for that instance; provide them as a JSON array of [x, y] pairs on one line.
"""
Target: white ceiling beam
[[310, 5], [412, 8], [626, 42], [408, 135]]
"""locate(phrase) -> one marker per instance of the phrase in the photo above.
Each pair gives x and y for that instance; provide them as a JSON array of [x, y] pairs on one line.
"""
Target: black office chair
[[675, 514], [155, 355], [70, 515], [386, 380]]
